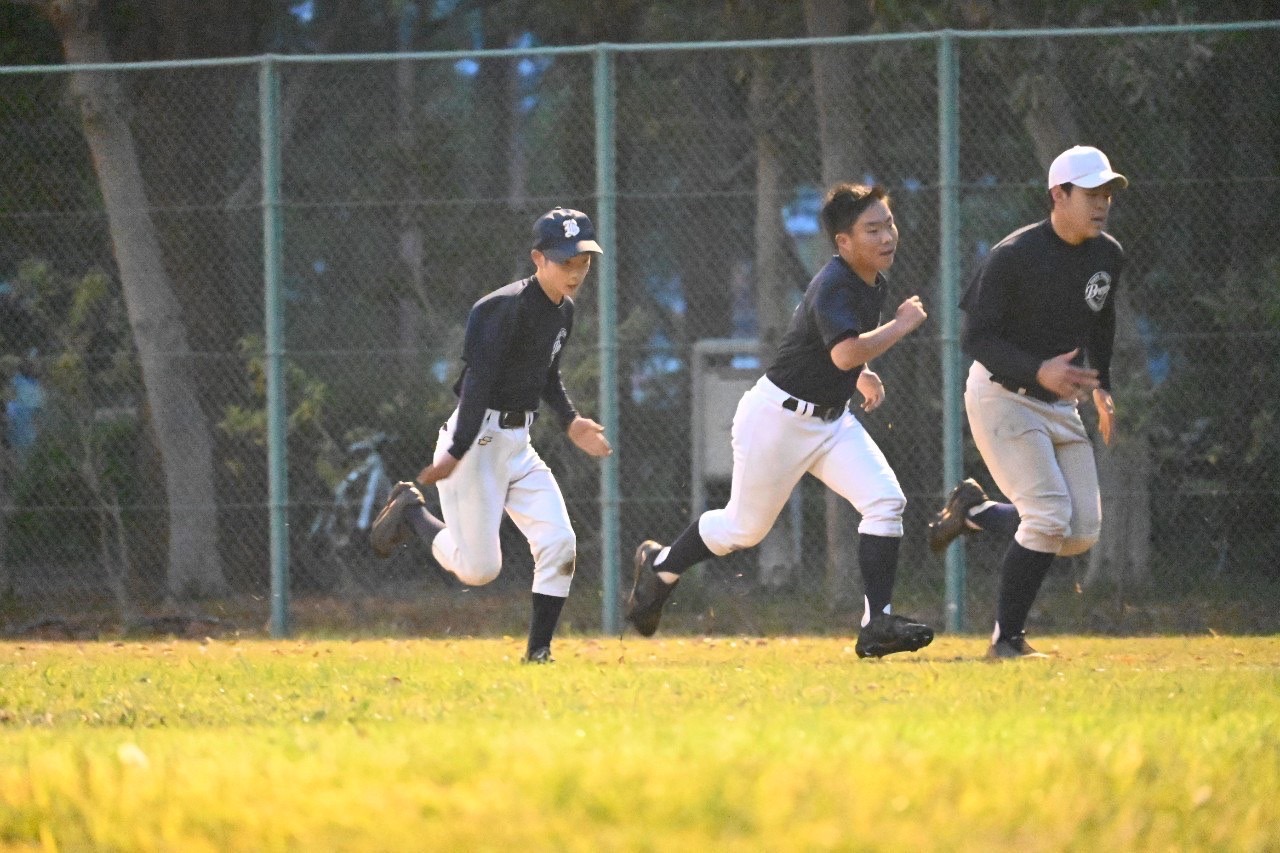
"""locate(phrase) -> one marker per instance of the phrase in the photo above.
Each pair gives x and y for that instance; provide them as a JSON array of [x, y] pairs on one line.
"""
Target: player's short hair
[[845, 202], [1066, 188]]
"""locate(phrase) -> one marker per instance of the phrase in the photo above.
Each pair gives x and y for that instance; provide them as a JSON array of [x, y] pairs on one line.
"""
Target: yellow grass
[[666, 744]]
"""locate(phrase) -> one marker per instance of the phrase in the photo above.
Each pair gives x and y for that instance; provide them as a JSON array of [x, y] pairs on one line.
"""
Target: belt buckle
[[511, 420]]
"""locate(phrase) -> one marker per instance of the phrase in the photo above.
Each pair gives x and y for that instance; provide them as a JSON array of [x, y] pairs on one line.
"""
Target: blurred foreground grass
[[669, 744]]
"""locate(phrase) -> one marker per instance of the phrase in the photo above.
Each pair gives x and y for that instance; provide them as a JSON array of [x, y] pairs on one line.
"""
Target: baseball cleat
[[888, 633], [1014, 646], [541, 655], [649, 593], [390, 530], [950, 521]]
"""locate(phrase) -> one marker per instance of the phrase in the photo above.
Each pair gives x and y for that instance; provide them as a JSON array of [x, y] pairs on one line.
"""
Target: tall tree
[[842, 131], [181, 429]]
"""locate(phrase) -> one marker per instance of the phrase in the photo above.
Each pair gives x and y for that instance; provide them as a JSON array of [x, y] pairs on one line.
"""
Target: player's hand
[[911, 313], [1106, 414], [871, 389], [437, 470], [589, 437], [1059, 376]]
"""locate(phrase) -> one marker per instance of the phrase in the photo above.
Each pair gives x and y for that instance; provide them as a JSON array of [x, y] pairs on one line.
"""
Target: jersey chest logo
[[1095, 292], [556, 347]]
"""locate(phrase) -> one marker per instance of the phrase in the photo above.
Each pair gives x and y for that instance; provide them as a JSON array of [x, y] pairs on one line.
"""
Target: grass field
[[666, 744]]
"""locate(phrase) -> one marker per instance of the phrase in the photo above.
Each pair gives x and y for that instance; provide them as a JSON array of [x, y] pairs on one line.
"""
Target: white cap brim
[[1097, 179]]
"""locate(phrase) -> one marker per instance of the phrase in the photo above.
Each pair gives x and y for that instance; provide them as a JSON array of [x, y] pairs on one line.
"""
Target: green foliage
[[89, 430], [304, 392], [324, 418], [739, 743]]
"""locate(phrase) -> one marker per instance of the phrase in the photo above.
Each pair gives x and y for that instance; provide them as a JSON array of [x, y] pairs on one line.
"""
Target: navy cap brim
[[565, 251]]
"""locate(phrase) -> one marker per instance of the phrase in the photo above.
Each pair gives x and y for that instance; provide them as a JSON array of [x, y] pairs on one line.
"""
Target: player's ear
[[537, 257]]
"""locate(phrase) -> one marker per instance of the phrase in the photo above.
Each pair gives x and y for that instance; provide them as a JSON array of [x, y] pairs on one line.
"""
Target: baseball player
[[795, 420], [484, 463], [1039, 322]]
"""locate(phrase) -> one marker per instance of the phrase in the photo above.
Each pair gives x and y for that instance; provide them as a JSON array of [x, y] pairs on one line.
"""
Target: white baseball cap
[[1084, 166]]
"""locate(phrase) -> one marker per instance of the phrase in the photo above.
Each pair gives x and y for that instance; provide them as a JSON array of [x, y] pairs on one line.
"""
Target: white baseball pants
[[501, 471], [774, 447]]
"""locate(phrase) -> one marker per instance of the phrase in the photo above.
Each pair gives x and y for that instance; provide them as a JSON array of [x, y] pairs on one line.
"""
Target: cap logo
[[1095, 292], [571, 228]]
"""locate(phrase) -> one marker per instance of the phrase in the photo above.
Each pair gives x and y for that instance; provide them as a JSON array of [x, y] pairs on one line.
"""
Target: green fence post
[[948, 275], [606, 190], [272, 241]]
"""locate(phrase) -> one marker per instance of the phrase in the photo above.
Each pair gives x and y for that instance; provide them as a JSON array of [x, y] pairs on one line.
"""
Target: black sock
[[1021, 573], [878, 560], [688, 550], [423, 523], [1002, 519], [546, 614]]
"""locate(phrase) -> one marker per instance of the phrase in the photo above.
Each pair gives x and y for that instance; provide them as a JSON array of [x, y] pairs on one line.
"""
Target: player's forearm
[[852, 352], [471, 408], [557, 398], [1101, 346], [999, 356]]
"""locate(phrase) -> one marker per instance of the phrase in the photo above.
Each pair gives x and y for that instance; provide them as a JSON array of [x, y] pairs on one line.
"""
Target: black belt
[[1036, 392], [515, 420], [826, 413]]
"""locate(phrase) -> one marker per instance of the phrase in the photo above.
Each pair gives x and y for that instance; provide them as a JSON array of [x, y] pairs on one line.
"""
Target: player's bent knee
[[747, 537], [1075, 545], [561, 551], [479, 573], [885, 508], [1039, 534]]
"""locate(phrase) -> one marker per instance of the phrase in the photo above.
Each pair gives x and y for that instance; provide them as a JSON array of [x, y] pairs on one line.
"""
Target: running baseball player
[[1039, 322], [795, 420], [484, 463]]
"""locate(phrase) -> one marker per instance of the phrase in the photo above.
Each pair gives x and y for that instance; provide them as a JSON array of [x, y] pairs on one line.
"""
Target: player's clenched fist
[[911, 312]]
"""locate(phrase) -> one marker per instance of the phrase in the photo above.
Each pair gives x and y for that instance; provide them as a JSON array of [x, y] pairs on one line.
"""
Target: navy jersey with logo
[[514, 341], [1036, 296], [837, 305]]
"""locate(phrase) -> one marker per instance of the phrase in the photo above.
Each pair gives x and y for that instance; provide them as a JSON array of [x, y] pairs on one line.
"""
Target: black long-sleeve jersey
[[515, 337], [837, 305], [1036, 296]]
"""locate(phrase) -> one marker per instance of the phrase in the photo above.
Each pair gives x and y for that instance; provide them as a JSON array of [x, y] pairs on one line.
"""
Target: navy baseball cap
[[562, 233]]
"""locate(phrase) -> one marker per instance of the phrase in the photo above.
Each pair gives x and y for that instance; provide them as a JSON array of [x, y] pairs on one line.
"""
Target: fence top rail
[[656, 47]]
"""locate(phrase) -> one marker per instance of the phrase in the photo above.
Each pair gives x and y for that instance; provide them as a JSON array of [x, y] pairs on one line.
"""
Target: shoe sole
[[385, 544], [641, 620], [936, 537], [910, 643], [993, 655]]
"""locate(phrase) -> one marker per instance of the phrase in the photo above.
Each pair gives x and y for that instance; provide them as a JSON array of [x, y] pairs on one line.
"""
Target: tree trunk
[[1123, 553], [778, 559], [1047, 115], [181, 430], [412, 251], [842, 120], [842, 132]]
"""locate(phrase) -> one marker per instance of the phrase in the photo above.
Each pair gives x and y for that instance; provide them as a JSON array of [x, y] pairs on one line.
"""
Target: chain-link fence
[[132, 255]]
